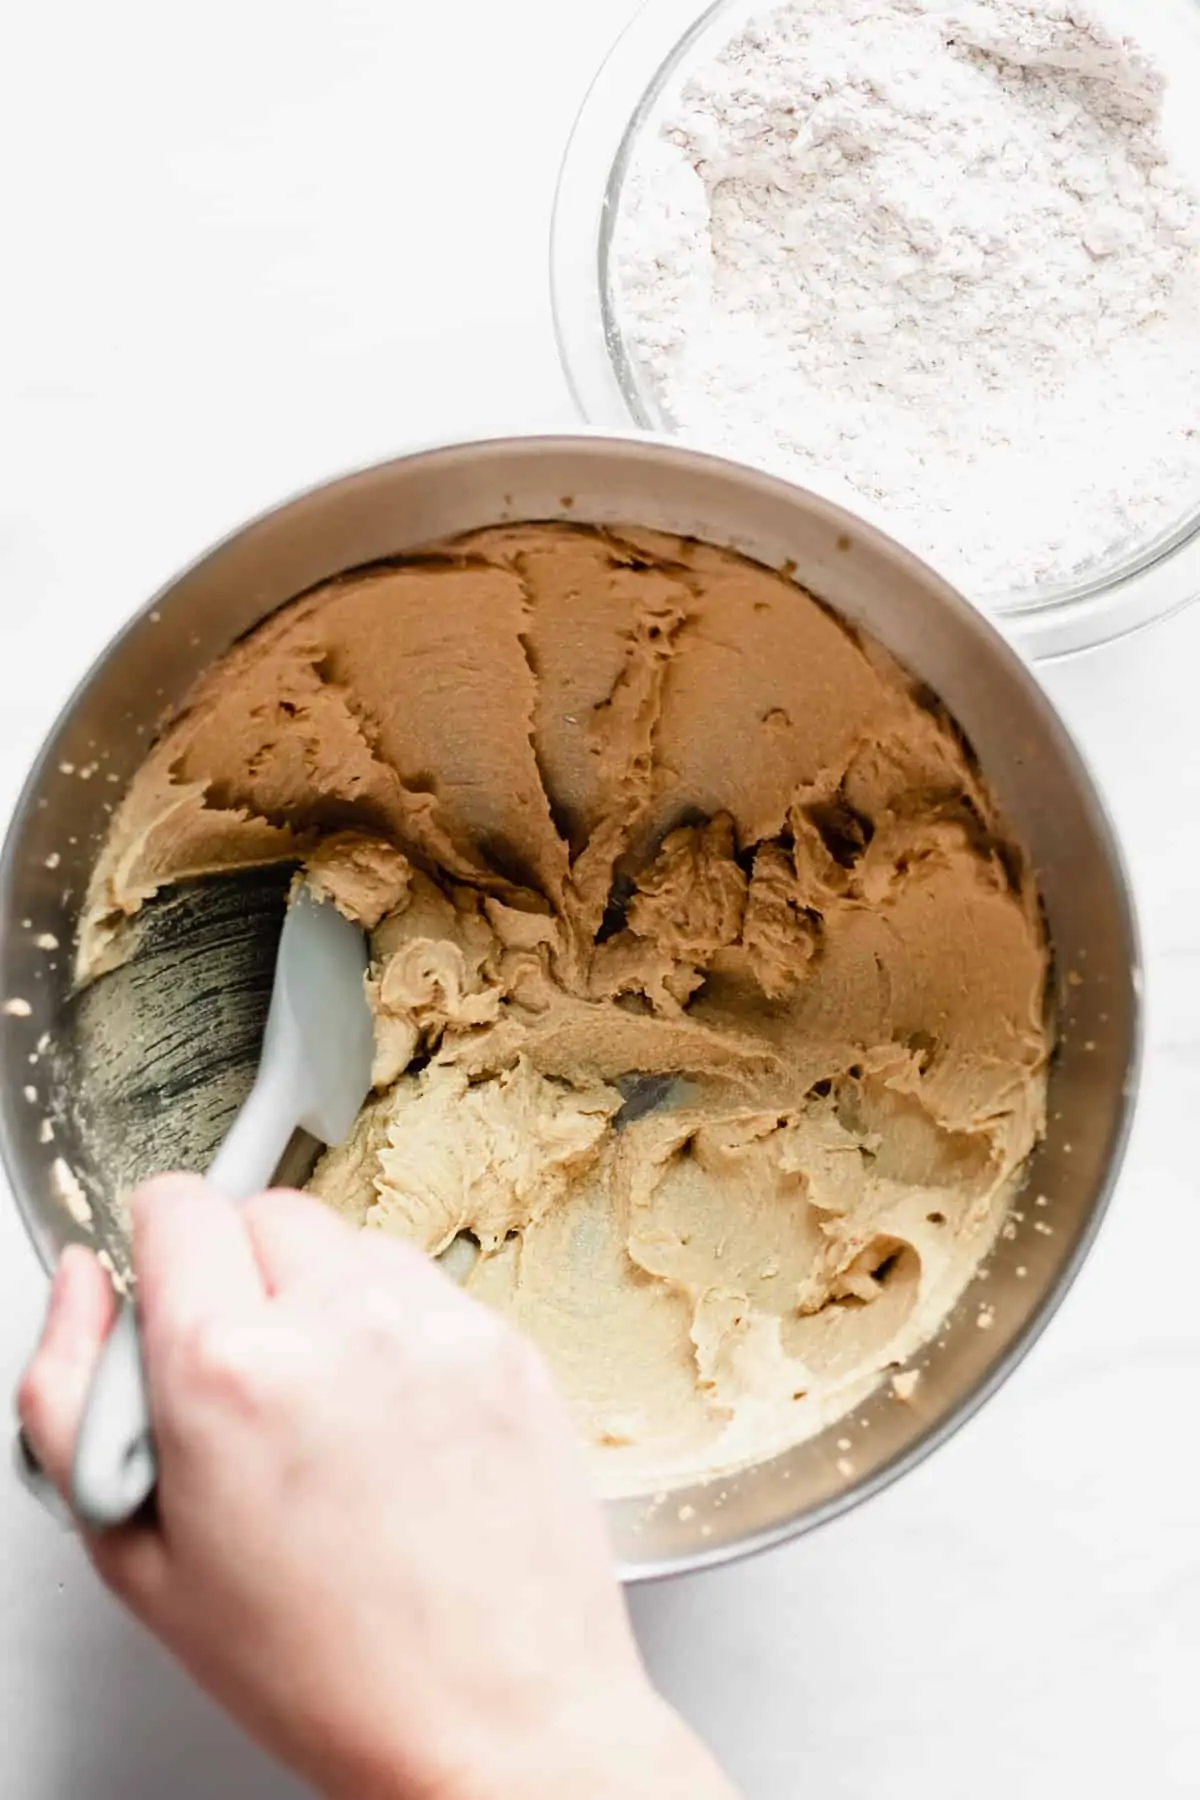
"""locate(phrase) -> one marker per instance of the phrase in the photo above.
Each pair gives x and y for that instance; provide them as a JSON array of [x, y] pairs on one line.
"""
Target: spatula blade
[[320, 1003]]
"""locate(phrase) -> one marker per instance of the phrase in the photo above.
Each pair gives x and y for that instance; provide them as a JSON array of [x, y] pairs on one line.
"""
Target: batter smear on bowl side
[[637, 824]]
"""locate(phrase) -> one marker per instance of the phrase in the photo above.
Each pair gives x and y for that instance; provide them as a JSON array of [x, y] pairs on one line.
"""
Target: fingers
[[193, 1257], [298, 1243], [50, 1404], [51, 1396], [303, 1247], [194, 1264]]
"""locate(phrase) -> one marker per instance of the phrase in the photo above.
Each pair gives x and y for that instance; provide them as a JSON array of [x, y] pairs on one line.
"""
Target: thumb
[[53, 1390]]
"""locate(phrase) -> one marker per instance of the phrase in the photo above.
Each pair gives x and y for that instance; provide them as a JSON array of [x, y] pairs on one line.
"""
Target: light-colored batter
[[618, 807]]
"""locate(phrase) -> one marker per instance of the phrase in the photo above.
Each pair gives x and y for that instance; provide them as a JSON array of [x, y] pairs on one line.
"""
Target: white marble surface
[[246, 246]]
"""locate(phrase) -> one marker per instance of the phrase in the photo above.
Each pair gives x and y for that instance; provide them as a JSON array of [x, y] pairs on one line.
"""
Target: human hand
[[374, 1540]]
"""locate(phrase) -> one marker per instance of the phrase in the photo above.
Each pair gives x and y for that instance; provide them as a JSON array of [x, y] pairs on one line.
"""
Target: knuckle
[[526, 1401], [488, 1353], [503, 1375], [273, 1207], [505, 1349], [381, 1316], [215, 1363], [524, 1373], [458, 1347], [255, 1369]]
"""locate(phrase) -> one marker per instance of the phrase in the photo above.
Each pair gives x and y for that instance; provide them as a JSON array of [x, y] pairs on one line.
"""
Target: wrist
[[629, 1746]]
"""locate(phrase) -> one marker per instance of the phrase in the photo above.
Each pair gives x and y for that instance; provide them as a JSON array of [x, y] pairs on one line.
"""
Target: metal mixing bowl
[[1024, 749]]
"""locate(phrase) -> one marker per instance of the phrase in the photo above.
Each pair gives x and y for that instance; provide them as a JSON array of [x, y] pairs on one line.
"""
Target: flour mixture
[[633, 818], [932, 256]]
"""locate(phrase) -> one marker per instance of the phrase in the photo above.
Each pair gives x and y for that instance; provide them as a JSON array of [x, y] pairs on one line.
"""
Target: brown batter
[[619, 806]]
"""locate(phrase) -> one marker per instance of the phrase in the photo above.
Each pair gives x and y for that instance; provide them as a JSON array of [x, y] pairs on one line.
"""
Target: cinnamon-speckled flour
[[933, 257]]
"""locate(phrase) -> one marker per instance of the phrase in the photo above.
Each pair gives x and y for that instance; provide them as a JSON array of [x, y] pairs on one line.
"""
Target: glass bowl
[[667, 39]]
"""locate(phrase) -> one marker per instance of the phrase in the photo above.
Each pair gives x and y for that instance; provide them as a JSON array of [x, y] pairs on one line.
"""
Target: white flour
[[935, 252]]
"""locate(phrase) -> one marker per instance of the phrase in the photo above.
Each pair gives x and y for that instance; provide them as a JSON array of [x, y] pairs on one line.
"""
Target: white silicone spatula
[[314, 1074]]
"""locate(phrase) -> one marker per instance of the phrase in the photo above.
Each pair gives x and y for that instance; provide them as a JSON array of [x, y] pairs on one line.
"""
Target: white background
[[246, 245]]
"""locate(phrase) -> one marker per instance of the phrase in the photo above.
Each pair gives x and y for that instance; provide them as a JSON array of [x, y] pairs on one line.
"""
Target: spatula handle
[[114, 1471], [115, 1468]]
